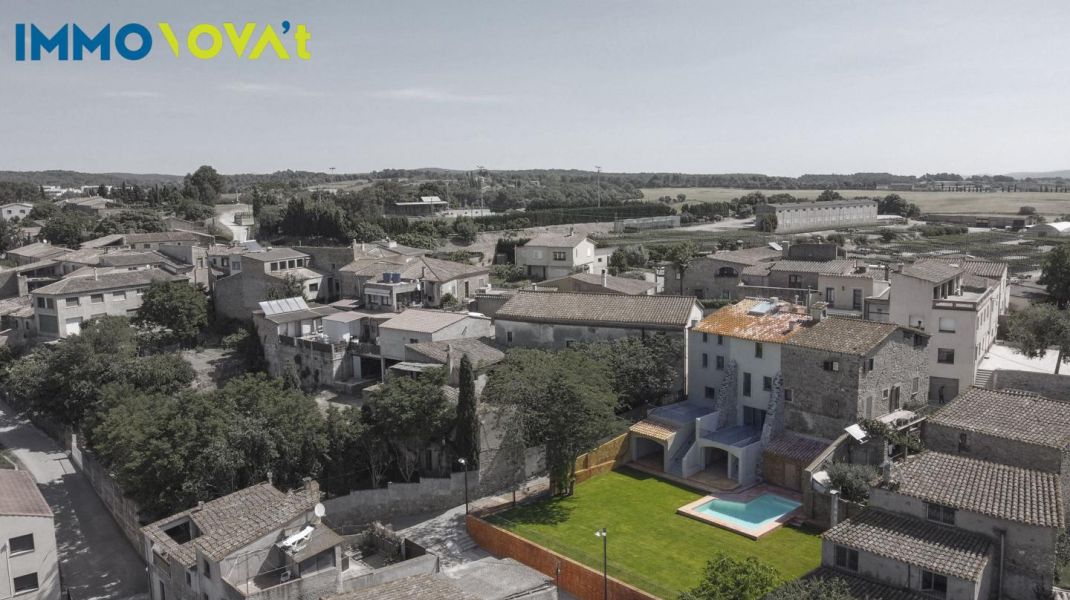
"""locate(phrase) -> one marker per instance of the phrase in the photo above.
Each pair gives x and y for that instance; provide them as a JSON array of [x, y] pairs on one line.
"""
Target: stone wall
[[124, 510], [358, 508], [603, 458]]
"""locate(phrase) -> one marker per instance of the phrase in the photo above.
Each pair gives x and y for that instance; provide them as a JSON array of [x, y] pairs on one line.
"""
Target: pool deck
[[689, 510]]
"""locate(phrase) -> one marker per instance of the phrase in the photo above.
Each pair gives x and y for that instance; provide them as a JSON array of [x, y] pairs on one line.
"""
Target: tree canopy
[[1035, 330], [177, 307], [1055, 274], [728, 578]]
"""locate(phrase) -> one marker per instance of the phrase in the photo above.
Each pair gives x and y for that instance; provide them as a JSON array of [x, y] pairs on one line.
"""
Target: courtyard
[[649, 545]]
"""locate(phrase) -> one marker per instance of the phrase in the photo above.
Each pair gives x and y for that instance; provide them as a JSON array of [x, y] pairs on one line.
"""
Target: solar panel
[[285, 305]]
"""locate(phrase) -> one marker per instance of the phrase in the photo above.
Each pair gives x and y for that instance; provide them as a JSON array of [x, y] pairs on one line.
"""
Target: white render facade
[[818, 216], [551, 257]]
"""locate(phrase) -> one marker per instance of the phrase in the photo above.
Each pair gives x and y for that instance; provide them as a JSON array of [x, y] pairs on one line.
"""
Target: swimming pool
[[753, 515]]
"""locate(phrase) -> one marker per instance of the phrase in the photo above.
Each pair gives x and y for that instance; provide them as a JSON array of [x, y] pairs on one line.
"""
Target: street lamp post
[[605, 563], [464, 463]]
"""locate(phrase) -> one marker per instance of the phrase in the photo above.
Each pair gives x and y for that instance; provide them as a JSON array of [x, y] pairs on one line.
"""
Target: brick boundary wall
[[602, 459], [575, 578]]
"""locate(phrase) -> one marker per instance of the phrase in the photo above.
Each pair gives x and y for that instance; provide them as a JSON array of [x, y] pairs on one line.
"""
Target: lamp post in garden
[[605, 563], [464, 463]]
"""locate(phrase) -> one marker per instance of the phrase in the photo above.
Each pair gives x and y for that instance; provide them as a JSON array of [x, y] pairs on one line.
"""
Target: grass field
[[650, 546], [939, 202]]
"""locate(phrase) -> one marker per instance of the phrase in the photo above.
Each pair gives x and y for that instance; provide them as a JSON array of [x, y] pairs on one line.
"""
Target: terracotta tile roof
[[736, 321], [161, 237], [981, 268], [795, 447], [1009, 414], [414, 267], [126, 259], [20, 497], [933, 272], [846, 336], [275, 254], [103, 241], [478, 351], [988, 488], [624, 285], [838, 266], [944, 550], [233, 521], [38, 250], [106, 281], [759, 270], [864, 589], [555, 240], [654, 429], [612, 310], [747, 256], [427, 321]]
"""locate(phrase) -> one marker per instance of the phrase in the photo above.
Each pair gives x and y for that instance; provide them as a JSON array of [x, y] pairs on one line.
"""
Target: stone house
[[60, 308], [840, 371], [954, 527], [257, 542], [1011, 427], [551, 256], [36, 252], [399, 281], [717, 276], [238, 295], [30, 566]]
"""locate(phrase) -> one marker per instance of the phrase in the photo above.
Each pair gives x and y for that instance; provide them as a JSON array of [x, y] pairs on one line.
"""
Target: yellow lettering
[[172, 41], [239, 42], [302, 36], [194, 37], [269, 37]]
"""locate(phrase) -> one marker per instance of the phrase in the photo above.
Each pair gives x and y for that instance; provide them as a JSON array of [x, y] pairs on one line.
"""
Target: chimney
[[605, 278], [898, 267], [834, 507], [271, 478], [817, 311], [571, 231], [199, 507]]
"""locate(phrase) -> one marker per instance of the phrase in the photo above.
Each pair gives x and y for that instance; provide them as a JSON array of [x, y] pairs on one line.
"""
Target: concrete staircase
[[983, 378]]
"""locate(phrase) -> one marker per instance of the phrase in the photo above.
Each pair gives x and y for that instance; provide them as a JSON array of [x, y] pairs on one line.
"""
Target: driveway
[[225, 217], [96, 561]]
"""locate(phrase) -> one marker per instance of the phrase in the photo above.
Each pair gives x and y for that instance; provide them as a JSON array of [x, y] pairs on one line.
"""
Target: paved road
[[96, 561], [225, 217]]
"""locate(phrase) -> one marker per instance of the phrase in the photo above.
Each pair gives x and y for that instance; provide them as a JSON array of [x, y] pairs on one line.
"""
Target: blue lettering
[[133, 29], [101, 41], [20, 41], [39, 40]]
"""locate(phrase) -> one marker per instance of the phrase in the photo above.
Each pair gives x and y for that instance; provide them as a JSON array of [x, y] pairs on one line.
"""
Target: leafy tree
[[204, 185], [829, 195], [191, 210], [1035, 330], [644, 370], [832, 588], [130, 221], [1027, 210], [365, 231], [766, 222], [627, 257], [467, 231], [102, 191], [175, 306], [412, 414], [9, 235], [343, 429], [563, 400], [43, 211], [681, 256], [1055, 274], [290, 287], [67, 228], [853, 481], [466, 434], [888, 235], [728, 578], [894, 204]]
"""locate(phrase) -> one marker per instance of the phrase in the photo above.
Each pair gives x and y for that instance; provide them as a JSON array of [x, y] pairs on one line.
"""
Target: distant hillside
[[75, 178], [1065, 174]]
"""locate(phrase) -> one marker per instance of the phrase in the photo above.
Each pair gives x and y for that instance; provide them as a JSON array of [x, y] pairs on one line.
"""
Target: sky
[[704, 86]]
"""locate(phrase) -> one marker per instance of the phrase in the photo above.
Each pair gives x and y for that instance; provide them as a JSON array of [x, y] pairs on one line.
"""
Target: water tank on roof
[[386, 277], [395, 277]]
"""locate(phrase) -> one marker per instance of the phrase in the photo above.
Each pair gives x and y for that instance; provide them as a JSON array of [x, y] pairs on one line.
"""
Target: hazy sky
[[785, 87]]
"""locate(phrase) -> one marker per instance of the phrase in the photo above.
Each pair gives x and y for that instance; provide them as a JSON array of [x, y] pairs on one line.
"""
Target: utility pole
[[481, 170]]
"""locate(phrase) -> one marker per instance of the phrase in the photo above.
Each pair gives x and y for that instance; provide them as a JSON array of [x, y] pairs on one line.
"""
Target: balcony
[[365, 349]]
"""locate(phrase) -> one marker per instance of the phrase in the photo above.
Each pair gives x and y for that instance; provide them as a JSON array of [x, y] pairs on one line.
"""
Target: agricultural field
[[1048, 204]]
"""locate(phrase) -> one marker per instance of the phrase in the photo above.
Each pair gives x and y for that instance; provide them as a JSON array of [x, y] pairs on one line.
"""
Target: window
[[720, 363], [118, 296], [746, 384], [414, 341], [711, 394], [964, 442], [290, 264], [313, 288], [831, 365], [931, 582], [794, 281], [753, 417], [96, 299], [720, 340], [869, 364], [846, 558], [946, 325], [40, 302], [207, 571], [767, 384], [830, 295], [705, 361], [22, 543], [509, 336], [560, 256], [72, 301], [940, 513], [705, 338], [945, 356], [787, 395], [25, 583], [274, 266], [758, 349]]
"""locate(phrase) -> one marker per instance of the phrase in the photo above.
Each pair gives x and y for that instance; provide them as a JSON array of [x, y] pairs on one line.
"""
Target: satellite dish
[[319, 510]]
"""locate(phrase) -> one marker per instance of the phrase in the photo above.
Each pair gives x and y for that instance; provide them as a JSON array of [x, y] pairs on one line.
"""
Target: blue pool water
[[748, 515]]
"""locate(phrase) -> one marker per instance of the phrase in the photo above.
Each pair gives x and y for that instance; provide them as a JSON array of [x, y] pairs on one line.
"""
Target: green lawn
[[650, 546]]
